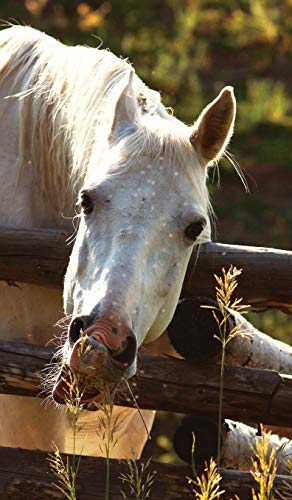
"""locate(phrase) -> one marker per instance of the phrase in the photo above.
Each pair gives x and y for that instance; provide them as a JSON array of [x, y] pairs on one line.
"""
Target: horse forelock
[[163, 141], [67, 98]]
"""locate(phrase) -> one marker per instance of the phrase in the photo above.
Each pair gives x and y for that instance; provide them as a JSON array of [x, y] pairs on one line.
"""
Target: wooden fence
[[40, 257], [250, 395]]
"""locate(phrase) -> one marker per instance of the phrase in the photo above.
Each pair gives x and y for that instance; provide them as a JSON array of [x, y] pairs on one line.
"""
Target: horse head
[[143, 208]]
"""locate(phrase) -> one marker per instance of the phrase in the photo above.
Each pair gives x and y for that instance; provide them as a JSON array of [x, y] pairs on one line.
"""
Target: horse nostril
[[127, 353], [76, 328]]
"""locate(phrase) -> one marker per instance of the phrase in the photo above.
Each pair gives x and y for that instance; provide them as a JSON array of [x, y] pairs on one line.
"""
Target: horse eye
[[86, 203], [193, 230]]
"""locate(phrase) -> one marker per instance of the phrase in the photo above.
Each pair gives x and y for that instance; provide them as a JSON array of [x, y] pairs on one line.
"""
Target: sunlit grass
[[137, 480], [107, 426], [264, 467], [66, 470], [226, 286], [207, 485]]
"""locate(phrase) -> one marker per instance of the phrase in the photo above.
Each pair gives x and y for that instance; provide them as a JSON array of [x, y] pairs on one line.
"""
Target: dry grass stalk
[[65, 470], [107, 427], [207, 486], [138, 480], [264, 467], [225, 288]]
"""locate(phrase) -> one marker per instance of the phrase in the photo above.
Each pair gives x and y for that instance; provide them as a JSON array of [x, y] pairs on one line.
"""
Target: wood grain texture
[[40, 257], [250, 394], [236, 444], [194, 333], [33, 256], [25, 475], [266, 280]]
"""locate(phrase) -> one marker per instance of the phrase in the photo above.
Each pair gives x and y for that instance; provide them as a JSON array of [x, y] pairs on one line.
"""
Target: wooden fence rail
[[34, 481], [250, 394], [40, 257]]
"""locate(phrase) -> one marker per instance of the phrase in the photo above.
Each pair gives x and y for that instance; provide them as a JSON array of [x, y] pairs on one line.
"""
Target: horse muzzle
[[103, 354]]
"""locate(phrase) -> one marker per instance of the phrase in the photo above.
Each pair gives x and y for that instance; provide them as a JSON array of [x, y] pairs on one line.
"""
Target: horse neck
[[67, 99]]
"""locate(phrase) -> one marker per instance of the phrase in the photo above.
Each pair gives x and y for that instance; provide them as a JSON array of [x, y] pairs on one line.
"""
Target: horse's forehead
[[160, 171], [160, 187]]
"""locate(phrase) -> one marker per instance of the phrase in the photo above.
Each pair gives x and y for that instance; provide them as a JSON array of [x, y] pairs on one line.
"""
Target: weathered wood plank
[[267, 272], [34, 256], [40, 256], [25, 475], [250, 395], [194, 333], [236, 444], [176, 385]]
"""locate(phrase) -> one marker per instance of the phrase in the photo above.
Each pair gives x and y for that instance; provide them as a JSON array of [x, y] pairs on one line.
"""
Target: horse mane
[[67, 97]]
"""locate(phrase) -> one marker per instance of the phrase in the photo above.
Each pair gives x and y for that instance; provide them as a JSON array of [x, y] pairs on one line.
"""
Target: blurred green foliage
[[187, 49]]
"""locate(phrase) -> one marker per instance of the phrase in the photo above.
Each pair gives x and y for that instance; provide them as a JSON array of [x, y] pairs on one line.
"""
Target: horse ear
[[214, 126], [126, 107]]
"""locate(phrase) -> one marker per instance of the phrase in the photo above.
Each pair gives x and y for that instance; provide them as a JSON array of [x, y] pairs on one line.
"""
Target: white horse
[[77, 124]]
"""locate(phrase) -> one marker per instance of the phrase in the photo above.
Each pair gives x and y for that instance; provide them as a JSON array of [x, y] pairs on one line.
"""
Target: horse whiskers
[[216, 170], [64, 322], [53, 366], [48, 401], [45, 395], [50, 373], [72, 237], [137, 407], [238, 170], [58, 341]]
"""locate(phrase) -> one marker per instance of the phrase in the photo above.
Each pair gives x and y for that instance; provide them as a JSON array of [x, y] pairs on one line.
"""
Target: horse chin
[[85, 379], [66, 393]]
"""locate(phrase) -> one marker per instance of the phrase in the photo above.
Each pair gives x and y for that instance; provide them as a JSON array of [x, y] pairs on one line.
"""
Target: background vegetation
[[188, 50]]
